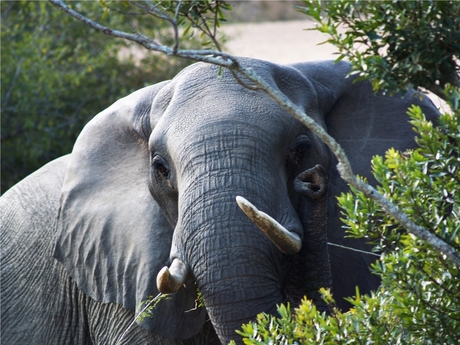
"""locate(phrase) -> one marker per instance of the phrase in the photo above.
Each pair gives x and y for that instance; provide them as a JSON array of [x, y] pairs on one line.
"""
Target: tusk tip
[[169, 280], [163, 279], [244, 204], [288, 242], [240, 200]]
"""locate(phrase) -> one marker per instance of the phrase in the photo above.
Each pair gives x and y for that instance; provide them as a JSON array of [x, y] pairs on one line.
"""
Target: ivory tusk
[[169, 280], [288, 242]]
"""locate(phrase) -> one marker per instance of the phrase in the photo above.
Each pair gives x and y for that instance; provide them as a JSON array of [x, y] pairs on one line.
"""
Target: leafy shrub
[[395, 44]]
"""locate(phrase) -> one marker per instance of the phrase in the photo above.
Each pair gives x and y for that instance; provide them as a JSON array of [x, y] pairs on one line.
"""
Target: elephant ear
[[365, 124], [111, 235]]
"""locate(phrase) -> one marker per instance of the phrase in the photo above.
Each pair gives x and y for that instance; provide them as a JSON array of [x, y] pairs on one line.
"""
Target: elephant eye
[[159, 167], [297, 153], [300, 150]]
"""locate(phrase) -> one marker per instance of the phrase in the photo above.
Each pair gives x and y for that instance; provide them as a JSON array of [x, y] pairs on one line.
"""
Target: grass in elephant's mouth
[[199, 302], [145, 308]]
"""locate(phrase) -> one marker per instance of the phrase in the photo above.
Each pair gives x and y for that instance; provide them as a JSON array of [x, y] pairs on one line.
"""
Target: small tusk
[[169, 280], [288, 242]]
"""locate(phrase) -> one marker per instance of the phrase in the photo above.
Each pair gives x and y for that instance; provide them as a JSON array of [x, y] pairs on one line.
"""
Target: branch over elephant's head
[[154, 181]]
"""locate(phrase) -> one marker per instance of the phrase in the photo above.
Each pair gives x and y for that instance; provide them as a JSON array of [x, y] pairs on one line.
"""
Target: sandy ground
[[279, 42]]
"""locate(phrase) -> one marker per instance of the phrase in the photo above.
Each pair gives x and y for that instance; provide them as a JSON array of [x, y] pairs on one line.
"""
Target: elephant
[[168, 190]]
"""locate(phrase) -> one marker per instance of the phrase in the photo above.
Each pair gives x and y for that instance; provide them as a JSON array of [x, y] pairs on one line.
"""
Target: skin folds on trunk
[[235, 290], [310, 269], [311, 265], [236, 267]]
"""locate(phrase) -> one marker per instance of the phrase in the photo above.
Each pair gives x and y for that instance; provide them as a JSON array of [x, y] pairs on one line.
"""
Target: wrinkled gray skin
[[83, 239]]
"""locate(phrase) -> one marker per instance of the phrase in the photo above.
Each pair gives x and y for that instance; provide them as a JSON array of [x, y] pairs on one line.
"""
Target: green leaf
[[105, 14]]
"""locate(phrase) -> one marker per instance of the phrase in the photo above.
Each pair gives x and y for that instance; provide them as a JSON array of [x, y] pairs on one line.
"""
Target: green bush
[[395, 44], [57, 73]]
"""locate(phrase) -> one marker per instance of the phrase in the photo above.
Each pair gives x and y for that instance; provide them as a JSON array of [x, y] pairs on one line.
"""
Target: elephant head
[[154, 180]]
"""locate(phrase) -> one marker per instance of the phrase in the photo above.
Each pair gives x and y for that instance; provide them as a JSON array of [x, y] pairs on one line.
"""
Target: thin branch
[[352, 249], [154, 11], [216, 19], [205, 30], [242, 83], [208, 31], [157, 13], [176, 29], [210, 56], [137, 317]]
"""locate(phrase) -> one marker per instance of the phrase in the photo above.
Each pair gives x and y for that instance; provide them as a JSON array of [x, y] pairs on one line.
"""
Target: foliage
[[419, 298], [418, 301], [57, 73], [396, 44], [425, 184], [305, 325]]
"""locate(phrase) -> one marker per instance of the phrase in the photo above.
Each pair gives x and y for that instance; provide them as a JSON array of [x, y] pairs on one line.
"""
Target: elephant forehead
[[215, 107]]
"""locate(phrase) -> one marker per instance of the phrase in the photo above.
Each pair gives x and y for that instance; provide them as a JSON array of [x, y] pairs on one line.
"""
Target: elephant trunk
[[245, 300], [310, 269], [235, 265]]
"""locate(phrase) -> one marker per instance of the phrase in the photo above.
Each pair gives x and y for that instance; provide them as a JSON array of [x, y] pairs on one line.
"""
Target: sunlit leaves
[[368, 322], [397, 44], [425, 184], [145, 309]]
